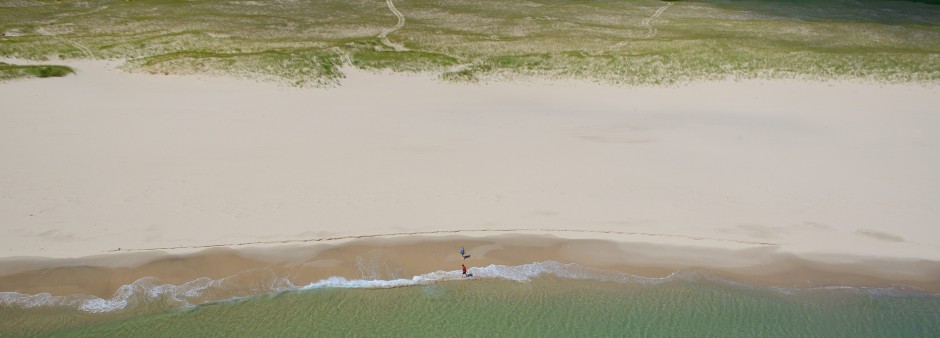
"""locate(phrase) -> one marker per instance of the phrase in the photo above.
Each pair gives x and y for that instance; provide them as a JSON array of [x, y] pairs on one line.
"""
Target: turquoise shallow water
[[546, 305]]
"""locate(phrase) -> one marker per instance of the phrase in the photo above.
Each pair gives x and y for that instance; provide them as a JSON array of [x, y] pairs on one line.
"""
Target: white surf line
[[399, 25], [85, 50], [438, 232], [651, 31]]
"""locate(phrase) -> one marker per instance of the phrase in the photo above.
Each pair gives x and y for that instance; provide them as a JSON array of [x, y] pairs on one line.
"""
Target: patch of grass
[[381, 58], [10, 71], [298, 67]]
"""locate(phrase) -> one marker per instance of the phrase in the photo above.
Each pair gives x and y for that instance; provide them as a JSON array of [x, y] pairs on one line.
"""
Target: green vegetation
[[301, 67], [8, 71], [306, 42]]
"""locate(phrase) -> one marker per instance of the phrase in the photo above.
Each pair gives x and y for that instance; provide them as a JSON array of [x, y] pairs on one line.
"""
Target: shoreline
[[389, 259], [386, 273]]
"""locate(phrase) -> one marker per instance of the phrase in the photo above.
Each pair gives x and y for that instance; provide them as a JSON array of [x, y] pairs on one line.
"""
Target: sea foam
[[140, 290], [519, 273]]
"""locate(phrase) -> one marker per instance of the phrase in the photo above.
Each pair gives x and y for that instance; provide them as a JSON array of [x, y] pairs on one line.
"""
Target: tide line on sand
[[440, 232]]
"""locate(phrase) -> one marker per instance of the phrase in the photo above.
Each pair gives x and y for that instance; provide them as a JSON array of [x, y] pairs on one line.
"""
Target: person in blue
[[463, 253]]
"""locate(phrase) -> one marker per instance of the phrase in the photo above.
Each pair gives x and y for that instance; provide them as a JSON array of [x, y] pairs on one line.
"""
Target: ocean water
[[539, 299]]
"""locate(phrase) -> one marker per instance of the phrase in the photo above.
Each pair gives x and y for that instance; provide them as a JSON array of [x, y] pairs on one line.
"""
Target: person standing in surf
[[464, 269]]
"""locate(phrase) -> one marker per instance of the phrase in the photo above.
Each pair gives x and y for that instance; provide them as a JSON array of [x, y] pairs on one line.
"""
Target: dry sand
[[835, 172]]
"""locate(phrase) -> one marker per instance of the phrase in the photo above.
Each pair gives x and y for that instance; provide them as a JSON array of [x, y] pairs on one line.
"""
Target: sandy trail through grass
[[647, 23], [399, 25], [651, 31]]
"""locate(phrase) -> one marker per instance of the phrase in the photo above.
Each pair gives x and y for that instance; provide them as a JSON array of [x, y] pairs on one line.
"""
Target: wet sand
[[394, 258]]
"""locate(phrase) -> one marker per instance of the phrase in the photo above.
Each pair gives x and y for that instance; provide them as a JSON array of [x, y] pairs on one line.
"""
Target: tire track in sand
[[399, 25], [85, 50], [648, 22]]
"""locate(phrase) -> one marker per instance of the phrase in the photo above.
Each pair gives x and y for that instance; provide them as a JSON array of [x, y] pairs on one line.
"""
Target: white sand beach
[[107, 160]]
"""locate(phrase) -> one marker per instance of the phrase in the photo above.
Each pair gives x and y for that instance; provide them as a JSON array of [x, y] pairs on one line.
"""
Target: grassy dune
[[305, 42]]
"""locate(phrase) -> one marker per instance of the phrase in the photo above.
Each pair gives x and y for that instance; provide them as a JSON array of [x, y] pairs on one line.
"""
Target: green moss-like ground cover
[[9, 71]]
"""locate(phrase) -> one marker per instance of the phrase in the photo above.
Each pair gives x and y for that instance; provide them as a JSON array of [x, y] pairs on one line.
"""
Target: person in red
[[464, 269]]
